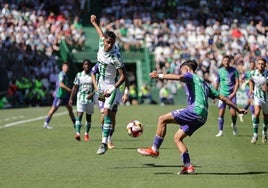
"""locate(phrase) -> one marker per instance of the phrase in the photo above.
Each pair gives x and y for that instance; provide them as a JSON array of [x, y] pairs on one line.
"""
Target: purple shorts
[[248, 95], [222, 105], [188, 120], [60, 101]]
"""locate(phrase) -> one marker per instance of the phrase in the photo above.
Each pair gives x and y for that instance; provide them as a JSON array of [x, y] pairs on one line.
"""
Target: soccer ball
[[134, 128]]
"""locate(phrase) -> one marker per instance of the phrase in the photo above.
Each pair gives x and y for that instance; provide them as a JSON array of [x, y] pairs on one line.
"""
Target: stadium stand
[[153, 34]]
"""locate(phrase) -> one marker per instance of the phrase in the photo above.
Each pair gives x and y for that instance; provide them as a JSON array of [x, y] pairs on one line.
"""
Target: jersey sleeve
[[76, 80], [95, 69], [251, 74], [236, 73], [217, 77], [212, 92], [187, 77], [61, 77], [118, 60]]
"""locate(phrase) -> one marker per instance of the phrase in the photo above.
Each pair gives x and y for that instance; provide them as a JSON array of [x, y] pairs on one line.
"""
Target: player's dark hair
[[86, 60], [190, 63], [227, 57], [262, 59], [109, 35]]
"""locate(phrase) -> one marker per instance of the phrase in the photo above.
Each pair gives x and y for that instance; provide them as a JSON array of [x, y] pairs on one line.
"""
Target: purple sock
[[157, 142], [220, 123], [185, 157], [252, 109], [47, 120]]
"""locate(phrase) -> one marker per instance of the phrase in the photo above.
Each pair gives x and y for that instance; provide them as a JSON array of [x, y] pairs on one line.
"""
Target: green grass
[[35, 157]]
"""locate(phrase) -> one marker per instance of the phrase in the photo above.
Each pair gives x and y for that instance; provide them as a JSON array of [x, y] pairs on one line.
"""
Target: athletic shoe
[[264, 139], [254, 140], [148, 152], [46, 126], [77, 137], [187, 170], [111, 145], [86, 137], [102, 149], [241, 117], [220, 133], [235, 131]]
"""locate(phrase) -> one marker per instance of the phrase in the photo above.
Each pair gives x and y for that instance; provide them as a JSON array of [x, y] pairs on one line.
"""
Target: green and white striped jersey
[[85, 87], [259, 79], [109, 62]]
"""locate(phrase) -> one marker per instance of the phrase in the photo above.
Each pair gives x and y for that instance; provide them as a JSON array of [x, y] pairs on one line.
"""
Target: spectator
[[31, 33], [145, 96], [4, 103], [133, 96], [164, 95], [12, 92]]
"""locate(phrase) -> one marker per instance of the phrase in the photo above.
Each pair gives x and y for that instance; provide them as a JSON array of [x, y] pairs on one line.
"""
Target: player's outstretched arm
[[231, 104], [97, 27], [155, 75]]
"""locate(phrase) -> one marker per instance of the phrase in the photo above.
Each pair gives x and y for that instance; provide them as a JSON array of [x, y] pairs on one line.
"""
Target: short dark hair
[[86, 60], [262, 59], [190, 63], [109, 35], [227, 57], [66, 63]]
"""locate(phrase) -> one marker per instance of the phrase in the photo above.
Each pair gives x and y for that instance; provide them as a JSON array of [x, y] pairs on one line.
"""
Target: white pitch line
[[30, 120]]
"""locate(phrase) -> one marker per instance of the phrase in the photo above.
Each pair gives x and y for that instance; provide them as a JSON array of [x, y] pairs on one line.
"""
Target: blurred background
[[36, 37]]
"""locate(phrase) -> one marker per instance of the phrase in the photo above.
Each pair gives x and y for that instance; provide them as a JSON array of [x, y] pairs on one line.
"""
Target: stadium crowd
[[31, 32], [202, 30], [172, 30]]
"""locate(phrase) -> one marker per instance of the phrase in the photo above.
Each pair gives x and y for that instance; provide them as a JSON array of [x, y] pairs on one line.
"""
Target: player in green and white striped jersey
[[83, 85], [112, 75], [259, 88]]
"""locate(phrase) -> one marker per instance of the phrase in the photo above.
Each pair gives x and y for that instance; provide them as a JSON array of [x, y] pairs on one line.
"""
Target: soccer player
[[190, 118], [112, 76], [122, 96], [84, 100], [61, 96], [259, 89], [228, 83]]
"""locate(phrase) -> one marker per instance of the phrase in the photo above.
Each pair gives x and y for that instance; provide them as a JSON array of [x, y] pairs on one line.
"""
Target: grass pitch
[[35, 157]]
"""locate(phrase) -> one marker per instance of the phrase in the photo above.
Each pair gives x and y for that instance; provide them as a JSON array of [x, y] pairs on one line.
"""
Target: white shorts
[[88, 107], [112, 100], [263, 104]]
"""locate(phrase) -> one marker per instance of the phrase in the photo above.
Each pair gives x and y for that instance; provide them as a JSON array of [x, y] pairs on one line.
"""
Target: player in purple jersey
[[228, 83], [61, 96], [190, 118]]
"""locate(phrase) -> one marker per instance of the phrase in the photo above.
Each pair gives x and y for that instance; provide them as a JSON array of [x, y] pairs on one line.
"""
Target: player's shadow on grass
[[136, 148], [151, 165], [231, 173], [218, 174]]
